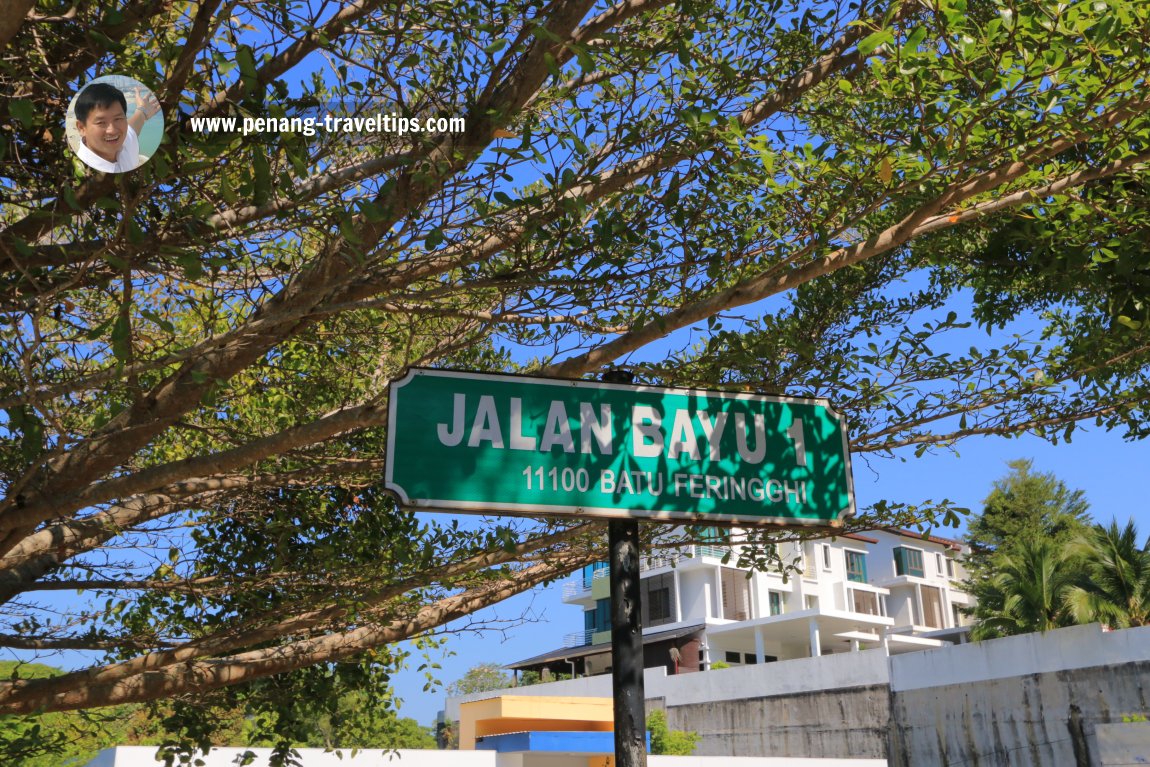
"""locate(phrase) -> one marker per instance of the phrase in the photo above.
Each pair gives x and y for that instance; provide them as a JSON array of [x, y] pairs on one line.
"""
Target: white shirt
[[128, 158]]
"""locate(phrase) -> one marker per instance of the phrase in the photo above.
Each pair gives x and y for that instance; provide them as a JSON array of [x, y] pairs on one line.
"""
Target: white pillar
[[760, 652], [753, 597], [854, 645], [678, 595], [718, 585], [813, 628], [920, 617]]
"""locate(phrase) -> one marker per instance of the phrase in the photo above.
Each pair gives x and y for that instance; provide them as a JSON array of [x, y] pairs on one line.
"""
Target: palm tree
[[1117, 591], [1028, 591]]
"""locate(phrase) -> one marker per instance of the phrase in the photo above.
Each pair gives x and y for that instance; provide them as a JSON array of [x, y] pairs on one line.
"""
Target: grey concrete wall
[[1047, 718], [1120, 745], [1032, 700], [838, 723], [801, 675], [1043, 720]]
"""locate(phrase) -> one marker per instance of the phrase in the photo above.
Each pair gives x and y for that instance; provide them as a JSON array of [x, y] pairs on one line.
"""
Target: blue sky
[[1109, 470]]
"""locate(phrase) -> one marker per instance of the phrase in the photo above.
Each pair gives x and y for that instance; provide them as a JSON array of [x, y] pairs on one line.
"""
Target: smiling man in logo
[[109, 139]]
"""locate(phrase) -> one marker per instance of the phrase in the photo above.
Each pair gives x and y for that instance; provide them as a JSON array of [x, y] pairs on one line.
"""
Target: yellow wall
[[526, 713]]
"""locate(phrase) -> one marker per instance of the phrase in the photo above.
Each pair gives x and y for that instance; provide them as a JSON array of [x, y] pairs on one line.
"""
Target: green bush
[[669, 742]]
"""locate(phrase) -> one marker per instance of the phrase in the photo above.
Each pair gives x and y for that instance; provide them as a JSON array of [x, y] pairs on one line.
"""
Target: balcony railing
[[667, 559], [578, 638], [712, 551], [656, 561], [577, 587]]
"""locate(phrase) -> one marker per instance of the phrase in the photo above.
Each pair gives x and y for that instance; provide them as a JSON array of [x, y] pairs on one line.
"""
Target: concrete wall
[[145, 756], [1037, 699], [796, 708], [834, 706], [1119, 745], [1027, 700], [758, 761], [1061, 650], [786, 677], [838, 723]]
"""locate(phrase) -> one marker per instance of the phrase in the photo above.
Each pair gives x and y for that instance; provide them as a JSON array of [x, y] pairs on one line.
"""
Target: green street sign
[[482, 443]]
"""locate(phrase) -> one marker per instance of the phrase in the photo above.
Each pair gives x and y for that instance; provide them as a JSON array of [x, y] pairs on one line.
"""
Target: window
[[810, 567], [811, 602], [736, 594], [938, 563], [733, 658], [657, 595], [749, 658], [660, 604], [826, 557], [865, 602], [949, 567], [856, 566], [715, 542], [599, 618], [908, 561], [713, 535], [932, 607], [775, 602]]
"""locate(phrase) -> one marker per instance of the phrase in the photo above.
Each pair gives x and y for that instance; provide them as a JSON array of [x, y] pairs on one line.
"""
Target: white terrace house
[[890, 588]]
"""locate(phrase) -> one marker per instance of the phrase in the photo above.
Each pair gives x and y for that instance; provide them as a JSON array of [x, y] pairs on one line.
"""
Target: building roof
[[948, 542], [859, 537], [570, 653]]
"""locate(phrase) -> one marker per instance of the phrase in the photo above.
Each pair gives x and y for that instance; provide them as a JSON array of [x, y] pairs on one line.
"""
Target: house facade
[[890, 588]]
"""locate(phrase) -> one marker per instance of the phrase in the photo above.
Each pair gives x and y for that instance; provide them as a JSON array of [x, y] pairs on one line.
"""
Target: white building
[[890, 588]]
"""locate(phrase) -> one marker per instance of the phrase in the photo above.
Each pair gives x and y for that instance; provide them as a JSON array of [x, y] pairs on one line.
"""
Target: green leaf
[[122, 337], [586, 63], [136, 235], [227, 191], [246, 59], [871, 42], [1129, 322], [434, 239], [24, 111], [24, 419], [69, 195], [914, 39], [552, 66], [262, 175], [160, 321]]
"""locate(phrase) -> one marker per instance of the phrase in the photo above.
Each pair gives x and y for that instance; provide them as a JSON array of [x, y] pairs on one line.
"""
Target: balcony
[[671, 558], [866, 602], [574, 590], [578, 638], [711, 551], [864, 598], [584, 587]]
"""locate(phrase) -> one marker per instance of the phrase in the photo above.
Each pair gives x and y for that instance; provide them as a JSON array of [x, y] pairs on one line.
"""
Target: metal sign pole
[[627, 645]]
